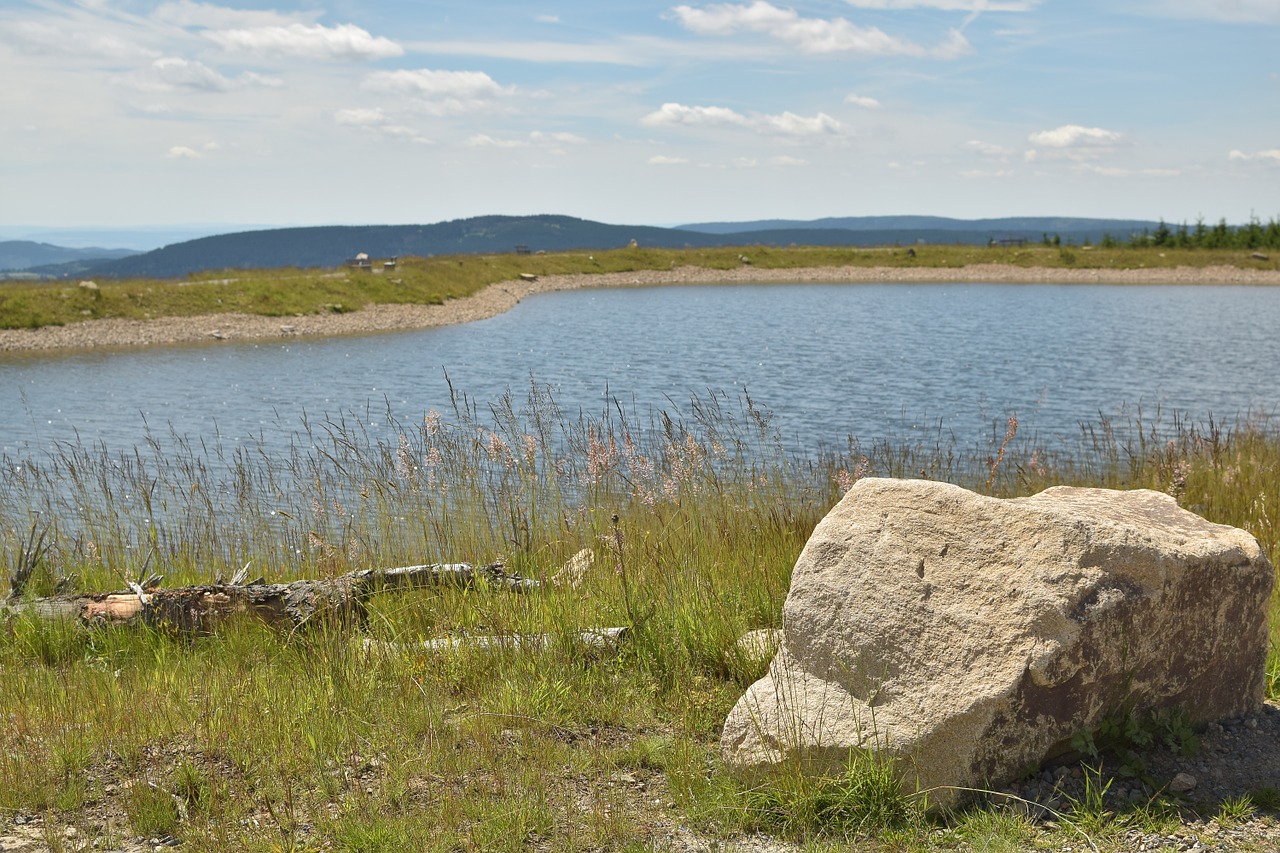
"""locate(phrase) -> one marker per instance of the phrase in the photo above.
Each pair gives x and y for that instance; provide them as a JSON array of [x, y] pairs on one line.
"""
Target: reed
[[253, 740]]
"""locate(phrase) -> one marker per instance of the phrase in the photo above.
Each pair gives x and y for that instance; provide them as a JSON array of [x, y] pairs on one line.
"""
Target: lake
[[873, 361]]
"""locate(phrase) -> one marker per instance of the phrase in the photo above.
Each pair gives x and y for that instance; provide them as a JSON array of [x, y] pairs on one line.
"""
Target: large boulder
[[970, 637]]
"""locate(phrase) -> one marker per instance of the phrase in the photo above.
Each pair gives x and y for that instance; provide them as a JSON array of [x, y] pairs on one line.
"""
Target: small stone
[[760, 645], [1183, 783], [69, 832]]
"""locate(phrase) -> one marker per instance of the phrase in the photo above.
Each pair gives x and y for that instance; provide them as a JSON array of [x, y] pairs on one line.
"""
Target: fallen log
[[201, 609]]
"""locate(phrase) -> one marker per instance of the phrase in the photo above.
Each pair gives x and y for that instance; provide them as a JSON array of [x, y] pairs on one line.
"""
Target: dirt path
[[497, 298]]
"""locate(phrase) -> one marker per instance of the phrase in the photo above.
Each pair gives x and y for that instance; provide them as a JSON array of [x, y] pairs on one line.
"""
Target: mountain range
[[331, 246], [20, 255]]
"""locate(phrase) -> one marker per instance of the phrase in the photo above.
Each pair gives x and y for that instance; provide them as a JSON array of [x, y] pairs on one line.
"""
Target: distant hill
[[139, 238], [330, 246], [26, 254], [1075, 229]]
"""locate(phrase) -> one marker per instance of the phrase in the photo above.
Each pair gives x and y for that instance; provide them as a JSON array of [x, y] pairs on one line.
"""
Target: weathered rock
[[971, 637], [759, 646]]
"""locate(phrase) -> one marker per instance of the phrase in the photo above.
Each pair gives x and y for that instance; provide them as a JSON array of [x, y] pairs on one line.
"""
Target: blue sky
[[120, 113]]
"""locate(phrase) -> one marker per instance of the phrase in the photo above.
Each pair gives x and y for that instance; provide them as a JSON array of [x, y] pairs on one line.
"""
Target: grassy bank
[[254, 740], [418, 281]]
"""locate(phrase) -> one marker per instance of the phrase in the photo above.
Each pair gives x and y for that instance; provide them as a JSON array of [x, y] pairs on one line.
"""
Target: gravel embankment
[[499, 297]]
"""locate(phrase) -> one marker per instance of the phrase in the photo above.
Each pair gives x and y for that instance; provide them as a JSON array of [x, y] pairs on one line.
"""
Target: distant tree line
[[1253, 236]]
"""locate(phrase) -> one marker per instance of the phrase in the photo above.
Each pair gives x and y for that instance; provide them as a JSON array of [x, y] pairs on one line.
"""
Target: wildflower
[[404, 460], [845, 480], [643, 478], [863, 469], [601, 455]]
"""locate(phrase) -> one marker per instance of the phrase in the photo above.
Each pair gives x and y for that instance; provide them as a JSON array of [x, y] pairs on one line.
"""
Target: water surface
[[830, 360]]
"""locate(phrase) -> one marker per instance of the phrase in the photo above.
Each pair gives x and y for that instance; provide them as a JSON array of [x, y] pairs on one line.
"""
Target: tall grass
[[428, 281], [258, 741]]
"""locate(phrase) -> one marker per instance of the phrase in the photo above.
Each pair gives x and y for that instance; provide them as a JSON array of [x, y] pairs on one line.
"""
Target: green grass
[[291, 292], [257, 740]]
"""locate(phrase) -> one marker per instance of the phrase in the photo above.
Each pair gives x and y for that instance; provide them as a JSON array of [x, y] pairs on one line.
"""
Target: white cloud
[[949, 5], [482, 140], [433, 85], [547, 19], [1272, 154], [182, 152], [983, 173], [360, 117], [172, 72], [440, 93], [987, 149], [36, 37], [809, 35], [1074, 136], [1116, 172], [185, 13], [793, 125], [399, 130], [862, 101], [784, 160], [345, 41], [787, 123], [537, 137], [672, 113], [623, 51], [560, 138], [374, 120], [664, 160]]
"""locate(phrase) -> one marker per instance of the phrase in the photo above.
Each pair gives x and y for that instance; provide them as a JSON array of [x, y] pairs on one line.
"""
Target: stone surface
[[971, 637], [759, 646]]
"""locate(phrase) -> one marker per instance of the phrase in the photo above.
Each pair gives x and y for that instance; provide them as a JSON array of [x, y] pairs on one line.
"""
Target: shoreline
[[497, 298]]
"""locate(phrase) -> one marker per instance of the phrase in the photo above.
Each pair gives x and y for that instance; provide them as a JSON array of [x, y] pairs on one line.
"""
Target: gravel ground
[[499, 297]]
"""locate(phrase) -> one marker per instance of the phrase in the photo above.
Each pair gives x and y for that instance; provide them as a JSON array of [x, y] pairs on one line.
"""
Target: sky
[[306, 112]]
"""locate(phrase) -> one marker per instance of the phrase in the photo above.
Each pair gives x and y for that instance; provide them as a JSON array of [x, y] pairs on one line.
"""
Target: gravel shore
[[499, 297]]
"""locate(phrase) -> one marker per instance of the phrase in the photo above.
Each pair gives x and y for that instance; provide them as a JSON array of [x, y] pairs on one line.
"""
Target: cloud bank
[[809, 35]]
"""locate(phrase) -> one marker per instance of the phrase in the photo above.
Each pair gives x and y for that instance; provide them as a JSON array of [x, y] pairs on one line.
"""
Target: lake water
[[871, 361]]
